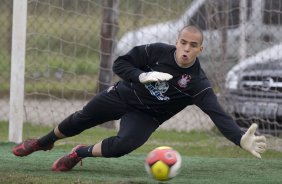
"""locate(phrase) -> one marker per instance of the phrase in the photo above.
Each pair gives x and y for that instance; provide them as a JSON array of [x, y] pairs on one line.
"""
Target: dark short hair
[[194, 29]]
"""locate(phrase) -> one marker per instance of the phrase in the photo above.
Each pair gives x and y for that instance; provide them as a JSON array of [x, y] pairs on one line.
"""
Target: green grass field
[[207, 158]]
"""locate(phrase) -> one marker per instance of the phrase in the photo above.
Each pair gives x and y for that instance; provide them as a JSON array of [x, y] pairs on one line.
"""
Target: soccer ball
[[163, 163]]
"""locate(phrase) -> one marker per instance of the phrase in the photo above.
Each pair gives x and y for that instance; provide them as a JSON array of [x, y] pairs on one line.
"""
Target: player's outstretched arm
[[256, 145], [148, 77]]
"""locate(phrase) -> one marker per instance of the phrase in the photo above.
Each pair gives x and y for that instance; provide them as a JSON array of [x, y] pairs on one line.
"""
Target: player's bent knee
[[117, 147]]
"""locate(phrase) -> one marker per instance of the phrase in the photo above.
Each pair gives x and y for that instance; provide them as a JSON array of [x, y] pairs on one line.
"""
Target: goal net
[[63, 55]]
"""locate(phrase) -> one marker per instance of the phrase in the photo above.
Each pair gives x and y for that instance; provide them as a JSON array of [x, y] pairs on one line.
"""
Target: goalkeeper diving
[[157, 81]]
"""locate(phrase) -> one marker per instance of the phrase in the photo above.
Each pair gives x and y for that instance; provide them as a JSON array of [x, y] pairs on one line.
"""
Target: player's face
[[188, 46]]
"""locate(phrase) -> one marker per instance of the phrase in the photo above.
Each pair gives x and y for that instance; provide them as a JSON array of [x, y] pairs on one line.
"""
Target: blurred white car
[[254, 90], [263, 27]]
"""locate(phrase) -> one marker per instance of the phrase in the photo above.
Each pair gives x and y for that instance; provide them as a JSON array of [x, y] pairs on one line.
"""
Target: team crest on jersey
[[185, 79], [158, 90]]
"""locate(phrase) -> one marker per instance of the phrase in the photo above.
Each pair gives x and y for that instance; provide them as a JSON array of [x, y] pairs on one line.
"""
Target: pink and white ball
[[163, 163]]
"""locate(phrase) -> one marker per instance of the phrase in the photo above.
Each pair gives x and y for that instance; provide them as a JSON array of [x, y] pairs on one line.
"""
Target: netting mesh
[[63, 50]]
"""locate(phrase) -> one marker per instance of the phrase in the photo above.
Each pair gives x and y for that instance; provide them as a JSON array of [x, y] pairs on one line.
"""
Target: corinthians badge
[[184, 80]]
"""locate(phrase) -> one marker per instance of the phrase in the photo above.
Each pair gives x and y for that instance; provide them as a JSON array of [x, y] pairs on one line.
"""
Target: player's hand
[[148, 77], [252, 143]]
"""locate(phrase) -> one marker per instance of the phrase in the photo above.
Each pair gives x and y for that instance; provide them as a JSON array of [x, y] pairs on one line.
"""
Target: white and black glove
[[148, 77], [252, 143]]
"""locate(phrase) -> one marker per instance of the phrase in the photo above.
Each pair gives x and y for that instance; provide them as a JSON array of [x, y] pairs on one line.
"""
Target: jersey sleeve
[[131, 65], [208, 103], [138, 60]]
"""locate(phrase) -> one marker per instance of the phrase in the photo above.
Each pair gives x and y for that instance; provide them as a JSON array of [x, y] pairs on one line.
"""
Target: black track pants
[[135, 126]]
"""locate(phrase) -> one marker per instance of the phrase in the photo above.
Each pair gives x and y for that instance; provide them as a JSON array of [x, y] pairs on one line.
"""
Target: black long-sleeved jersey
[[162, 100]]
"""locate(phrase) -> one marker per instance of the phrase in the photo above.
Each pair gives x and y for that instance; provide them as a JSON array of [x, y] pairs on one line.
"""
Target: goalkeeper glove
[[148, 77], [252, 143]]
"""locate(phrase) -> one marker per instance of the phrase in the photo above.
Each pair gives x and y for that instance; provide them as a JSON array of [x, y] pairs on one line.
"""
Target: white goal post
[[17, 70]]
